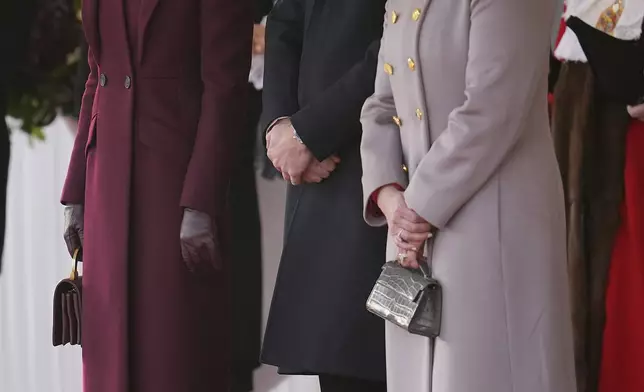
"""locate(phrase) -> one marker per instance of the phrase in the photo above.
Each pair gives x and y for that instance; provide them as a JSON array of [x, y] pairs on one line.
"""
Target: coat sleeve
[[381, 147], [331, 120], [506, 76], [81, 77], [226, 37], [74, 187], [262, 8], [284, 35]]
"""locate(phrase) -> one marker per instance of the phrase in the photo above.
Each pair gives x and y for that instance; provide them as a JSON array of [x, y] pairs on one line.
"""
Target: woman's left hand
[[636, 112], [410, 232]]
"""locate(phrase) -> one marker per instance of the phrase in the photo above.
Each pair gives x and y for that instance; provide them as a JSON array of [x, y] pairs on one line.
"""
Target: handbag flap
[[68, 285], [61, 316], [407, 282]]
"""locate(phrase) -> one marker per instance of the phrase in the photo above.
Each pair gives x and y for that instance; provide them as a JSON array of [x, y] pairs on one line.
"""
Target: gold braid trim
[[609, 18]]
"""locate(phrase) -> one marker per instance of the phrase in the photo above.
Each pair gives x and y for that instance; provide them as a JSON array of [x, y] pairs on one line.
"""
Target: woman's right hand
[[74, 227], [637, 112], [320, 171], [198, 242], [410, 230]]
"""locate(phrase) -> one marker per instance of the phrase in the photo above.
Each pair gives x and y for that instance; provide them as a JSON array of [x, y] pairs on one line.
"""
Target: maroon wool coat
[[163, 102]]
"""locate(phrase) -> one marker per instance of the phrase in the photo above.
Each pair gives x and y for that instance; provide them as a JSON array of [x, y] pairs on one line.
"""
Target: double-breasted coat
[[320, 66], [162, 104], [466, 80]]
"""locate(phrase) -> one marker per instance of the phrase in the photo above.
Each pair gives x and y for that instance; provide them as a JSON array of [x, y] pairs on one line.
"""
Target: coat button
[[419, 114], [397, 121], [389, 69], [128, 82], [394, 17], [416, 14], [411, 64], [404, 168], [103, 79]]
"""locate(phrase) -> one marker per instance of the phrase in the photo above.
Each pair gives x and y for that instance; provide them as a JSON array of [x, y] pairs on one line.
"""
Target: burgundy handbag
[[68, 307]]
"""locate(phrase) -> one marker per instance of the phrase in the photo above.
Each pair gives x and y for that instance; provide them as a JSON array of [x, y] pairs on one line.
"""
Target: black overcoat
[[320, 66], [246, 258]]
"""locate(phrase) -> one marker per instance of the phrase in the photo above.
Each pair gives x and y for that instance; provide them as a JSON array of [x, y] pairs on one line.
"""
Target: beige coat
[[467, 82]]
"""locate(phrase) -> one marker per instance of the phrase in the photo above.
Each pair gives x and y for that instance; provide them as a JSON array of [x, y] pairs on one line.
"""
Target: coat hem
[[317, 369]]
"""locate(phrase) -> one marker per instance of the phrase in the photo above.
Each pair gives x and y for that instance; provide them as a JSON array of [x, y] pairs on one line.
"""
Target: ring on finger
[[399, 235], [402, 257]]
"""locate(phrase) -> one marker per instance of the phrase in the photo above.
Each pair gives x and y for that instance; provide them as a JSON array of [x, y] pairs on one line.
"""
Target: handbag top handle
[[427, 248], [423, 263], [76, 257]]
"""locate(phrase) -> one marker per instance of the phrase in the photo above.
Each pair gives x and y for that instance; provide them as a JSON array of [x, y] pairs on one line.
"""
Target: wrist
[[301, 146], [296, 136], [278, 121], [385, 194], [74, 208], [388, 190]]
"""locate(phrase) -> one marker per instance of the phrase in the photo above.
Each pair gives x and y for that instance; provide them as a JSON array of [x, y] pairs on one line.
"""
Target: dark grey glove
[[198, 241], [74, 226]]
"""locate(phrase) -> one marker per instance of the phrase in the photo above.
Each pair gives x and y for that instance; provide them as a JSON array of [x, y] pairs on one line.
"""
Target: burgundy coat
[[162, 105]]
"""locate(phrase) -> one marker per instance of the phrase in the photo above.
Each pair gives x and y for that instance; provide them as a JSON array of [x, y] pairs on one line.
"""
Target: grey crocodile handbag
[[409, 298]]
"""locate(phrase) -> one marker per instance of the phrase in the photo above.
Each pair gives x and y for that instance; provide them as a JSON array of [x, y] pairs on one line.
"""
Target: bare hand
[[259, 33], [636, 112], [198, 244], [319, 171], [410, 230], [288, 155]]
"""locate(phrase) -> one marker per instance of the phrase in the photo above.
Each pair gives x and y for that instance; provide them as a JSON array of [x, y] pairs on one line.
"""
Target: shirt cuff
[[274, 122]]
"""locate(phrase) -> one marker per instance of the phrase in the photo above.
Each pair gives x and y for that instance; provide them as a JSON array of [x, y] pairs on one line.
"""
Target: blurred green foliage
[[44, 83]]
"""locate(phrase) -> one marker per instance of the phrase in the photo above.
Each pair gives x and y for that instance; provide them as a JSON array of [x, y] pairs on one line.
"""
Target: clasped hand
[[636, 112], [293, 159], [410, 230]]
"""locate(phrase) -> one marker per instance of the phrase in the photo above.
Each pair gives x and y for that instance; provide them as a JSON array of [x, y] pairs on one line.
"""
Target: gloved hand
[[74, 227], [198, 244]]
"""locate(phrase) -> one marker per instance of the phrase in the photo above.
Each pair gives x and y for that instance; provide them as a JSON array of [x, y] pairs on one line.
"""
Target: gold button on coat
[[394, 17], [397, 120], [416, 14], [389, 69], [411, 64], [419, 114], [405, 168]]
